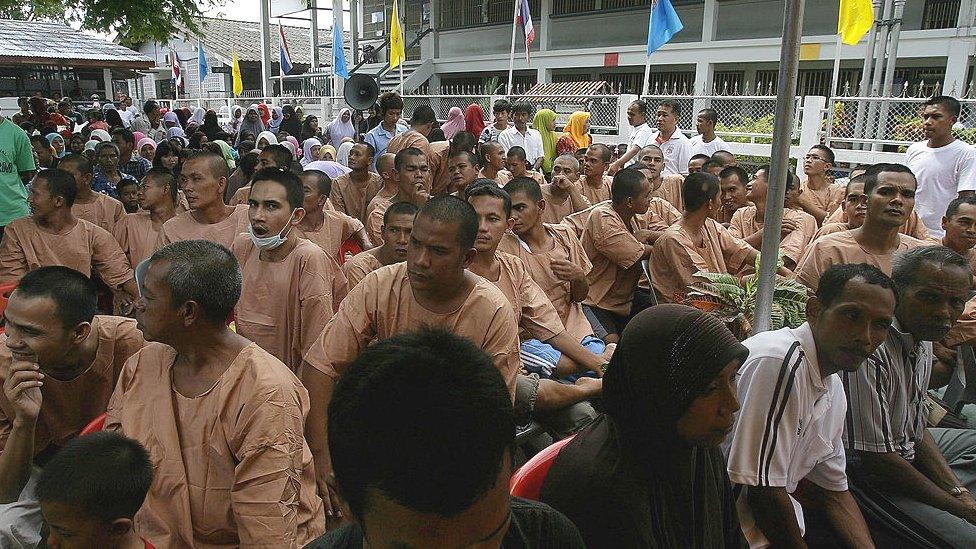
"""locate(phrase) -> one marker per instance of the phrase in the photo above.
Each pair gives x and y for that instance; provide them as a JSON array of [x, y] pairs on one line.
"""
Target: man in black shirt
[[421, 429]]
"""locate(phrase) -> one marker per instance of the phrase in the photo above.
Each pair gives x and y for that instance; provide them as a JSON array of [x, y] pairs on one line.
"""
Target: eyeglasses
[[814, 157]]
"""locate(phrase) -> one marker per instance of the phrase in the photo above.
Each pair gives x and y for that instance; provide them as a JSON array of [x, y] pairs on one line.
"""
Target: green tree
[[133, 21]]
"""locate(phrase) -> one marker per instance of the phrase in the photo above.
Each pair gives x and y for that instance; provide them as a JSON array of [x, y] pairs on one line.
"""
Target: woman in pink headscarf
[[454, 124]]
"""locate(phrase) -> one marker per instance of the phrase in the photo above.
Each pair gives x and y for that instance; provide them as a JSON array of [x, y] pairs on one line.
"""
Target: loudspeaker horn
[[361, 91]]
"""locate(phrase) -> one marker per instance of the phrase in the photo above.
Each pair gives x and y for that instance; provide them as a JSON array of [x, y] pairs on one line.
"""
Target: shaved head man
[[595, 183], [397, 226], [412, 173], [564, 195], [352, 192]]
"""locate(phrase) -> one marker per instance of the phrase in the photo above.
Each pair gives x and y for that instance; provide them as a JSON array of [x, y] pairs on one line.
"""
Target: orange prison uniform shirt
[[382, 305], [913, 227], [827, 198], [595, 194], [83, 247], [335, 229], [676, 258], [285, 304], [68, 406], [232, 468], [842, 248], [744, 224], [185, 227], [538, 177], [534, 313], [577, 221], [566, 247], [615, 254], [351, 198], [670, 190], [359, 266], [374, 221], [137, 237], [502, 177], [101, 210], [556, 211]]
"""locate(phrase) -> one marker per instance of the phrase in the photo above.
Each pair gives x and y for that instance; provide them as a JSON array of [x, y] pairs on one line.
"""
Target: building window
[[728, 83], [940, 14], [579, 7], [468, 13]]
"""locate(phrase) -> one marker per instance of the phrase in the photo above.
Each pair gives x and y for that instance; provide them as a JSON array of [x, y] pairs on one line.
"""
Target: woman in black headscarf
[[290, 122], [648, 473], [210, 126]]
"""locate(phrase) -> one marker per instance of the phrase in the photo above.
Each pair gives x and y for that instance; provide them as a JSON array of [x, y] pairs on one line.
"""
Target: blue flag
[[663, 25], [338, 50], [202, 65]]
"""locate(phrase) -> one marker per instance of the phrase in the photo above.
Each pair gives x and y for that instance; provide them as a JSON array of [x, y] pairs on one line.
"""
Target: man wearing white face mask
[[290, 284]]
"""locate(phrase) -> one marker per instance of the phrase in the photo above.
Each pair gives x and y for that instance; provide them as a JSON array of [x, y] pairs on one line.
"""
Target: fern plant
[[733, 300]]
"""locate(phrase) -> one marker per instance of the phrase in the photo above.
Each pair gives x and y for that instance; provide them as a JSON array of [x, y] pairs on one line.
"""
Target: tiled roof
[[220, 36], [27, 42]]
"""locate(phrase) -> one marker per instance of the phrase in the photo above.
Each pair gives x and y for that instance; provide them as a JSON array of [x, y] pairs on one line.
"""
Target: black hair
[[283, 176], [737, 172], [604, 151], [79, 161], [471, 158], [517, 152], [162, 176], [906, 265], [370, 150], [249, 163], [948, 103], [322, 181], [439, 401], [464, 141], [953, 207], [698, 189], [390, 100], [792, 180], [41, 140], [627, 183], [725, 157], [451, 209], [74, 293], [196, 138], [502, 105], [280, 154], [836, 277], [103, 475], [401, 156], [400, 208], [712, 164], [859, 179], [60, 183], [422, 115], [125, 183], [436, 135], [671, 104], [216, 162], [165, 148], [113, 118], [828, 152], [149, 106], [203, 272], [642, 106], [126, 136], [488, 187], [704, 157], [523, 107], [871, 176], [709, 114], [106, 145], [525, 185]]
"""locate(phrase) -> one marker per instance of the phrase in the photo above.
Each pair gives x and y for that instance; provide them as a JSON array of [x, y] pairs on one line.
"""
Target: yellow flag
[[397, 52], [855, 20], [236, 73]]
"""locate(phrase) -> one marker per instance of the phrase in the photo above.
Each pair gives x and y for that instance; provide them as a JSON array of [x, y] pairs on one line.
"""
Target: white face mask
[[271, 242]]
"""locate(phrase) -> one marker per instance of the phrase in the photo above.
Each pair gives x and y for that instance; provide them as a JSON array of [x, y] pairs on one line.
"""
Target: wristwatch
[[957, 491]]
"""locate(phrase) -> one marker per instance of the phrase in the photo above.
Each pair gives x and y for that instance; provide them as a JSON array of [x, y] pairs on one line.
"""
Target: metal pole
[[314, 28], [780, 165], [265, 48], [511, 55], [645, 89], [879, 69], [353, 27], [889, 77], [835, 81], [862, 90]]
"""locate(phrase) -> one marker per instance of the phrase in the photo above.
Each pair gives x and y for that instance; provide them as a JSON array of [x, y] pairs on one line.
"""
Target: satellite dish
[[361, 91]]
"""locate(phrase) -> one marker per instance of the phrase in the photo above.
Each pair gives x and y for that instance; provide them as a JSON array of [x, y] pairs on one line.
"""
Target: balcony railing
[[940, 14]]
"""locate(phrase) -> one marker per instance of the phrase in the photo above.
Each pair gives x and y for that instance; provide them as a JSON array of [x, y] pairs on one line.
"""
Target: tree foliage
[[133, 22]]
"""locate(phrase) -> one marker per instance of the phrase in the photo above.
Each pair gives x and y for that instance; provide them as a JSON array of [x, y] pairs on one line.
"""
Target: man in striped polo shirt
[[924, 476], [787, 444]]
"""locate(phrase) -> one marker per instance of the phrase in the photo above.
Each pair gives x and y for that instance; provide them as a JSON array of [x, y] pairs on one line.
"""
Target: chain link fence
[[742, 119], [887, 121]]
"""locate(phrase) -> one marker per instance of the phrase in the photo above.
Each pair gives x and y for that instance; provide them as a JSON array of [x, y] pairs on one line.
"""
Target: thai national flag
[[525, 19], [284, 58], [177, 71]]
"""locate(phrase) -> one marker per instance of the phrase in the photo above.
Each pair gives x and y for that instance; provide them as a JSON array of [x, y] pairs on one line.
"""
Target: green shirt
[[15, 156]]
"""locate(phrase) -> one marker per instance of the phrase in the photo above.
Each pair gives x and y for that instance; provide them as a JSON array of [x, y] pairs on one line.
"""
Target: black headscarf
[[290, 124], [628, 479]]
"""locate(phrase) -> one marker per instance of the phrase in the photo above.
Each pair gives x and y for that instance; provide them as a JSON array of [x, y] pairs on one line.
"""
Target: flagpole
[[835, 81], [511, 56], [647, 61], [403, 34]]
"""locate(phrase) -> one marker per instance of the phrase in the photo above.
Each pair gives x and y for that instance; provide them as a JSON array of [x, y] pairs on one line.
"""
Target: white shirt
[[531, 141], [677, 152], [640, 137], [942, 172], [791, 423], [698, 146]]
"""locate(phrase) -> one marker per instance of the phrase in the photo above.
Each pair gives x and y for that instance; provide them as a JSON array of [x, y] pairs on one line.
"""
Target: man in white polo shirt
[[521, 135], [706, 142], [639, 138], [944, 166], [674, 143], [787, 444]]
